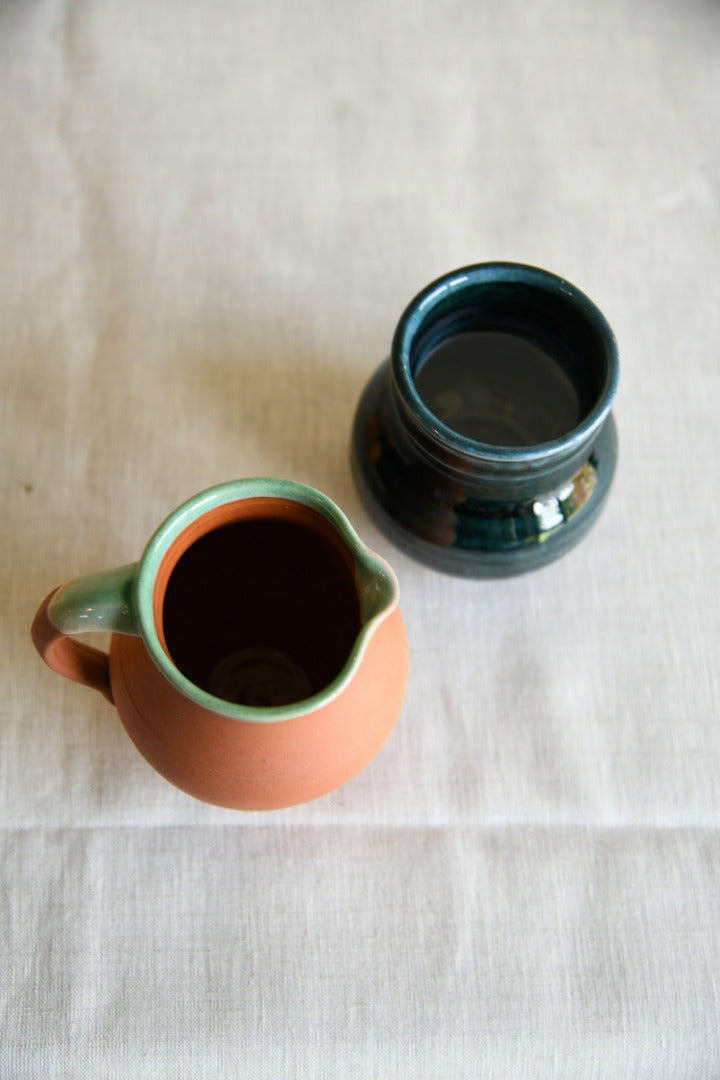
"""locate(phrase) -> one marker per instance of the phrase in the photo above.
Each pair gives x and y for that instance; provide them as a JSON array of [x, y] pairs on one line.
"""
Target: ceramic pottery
[[485, 445], [258, 657]]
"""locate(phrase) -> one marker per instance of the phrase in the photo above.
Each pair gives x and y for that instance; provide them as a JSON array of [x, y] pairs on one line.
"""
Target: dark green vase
[[508, 465]]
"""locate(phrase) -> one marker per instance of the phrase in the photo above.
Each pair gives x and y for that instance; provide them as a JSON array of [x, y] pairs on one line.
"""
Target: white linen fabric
[[211, 218]]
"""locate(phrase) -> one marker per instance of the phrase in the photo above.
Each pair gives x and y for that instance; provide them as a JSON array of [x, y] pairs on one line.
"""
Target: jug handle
[[94, 602]]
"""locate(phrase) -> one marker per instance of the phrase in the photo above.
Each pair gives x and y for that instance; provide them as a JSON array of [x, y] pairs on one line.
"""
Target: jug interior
[[262, 611]]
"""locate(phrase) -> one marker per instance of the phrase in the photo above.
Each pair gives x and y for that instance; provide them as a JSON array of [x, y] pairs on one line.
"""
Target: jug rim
[[376, 583]]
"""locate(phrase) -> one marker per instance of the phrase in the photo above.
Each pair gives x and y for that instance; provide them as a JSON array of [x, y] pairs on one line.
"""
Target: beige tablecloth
[[211, 218]]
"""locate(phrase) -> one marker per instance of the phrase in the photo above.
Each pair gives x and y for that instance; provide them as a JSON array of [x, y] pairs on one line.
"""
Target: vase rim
[[474, 277]]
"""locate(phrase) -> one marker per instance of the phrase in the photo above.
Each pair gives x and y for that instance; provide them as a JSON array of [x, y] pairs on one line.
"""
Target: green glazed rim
[[377, 588]]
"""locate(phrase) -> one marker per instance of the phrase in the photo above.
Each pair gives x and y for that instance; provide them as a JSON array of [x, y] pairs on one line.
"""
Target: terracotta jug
[[258, 657]]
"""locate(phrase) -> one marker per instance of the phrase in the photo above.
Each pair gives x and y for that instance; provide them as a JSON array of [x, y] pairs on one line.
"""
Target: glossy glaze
[[471, 508]]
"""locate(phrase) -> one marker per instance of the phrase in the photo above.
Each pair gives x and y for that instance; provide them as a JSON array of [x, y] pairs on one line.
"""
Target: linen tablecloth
[[211, 218]]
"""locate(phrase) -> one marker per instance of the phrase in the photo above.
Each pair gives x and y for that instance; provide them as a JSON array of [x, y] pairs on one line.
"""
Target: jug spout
[[377, 586]]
